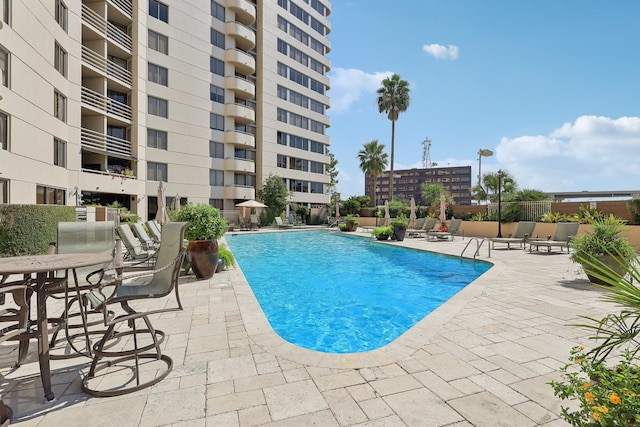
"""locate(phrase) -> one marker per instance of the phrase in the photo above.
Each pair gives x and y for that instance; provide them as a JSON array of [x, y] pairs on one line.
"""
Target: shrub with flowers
[[121, 171], [607, 396]]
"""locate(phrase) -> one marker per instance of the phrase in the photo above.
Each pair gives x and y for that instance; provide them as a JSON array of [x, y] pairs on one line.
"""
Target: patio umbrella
[[176, 203], [337, 210], [161, 214], [387, 215], [251, 204], [443, 207], [412, 215]]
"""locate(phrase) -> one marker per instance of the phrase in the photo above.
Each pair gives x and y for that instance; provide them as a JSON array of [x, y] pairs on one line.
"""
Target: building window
[[158, 42], [216, 66], [61, 14], [216, 121], [216, 150], [4, 67], [317, 66], [59, 106], [316, 127], [299, 185], [282, 46], [282, 138], [217, 94], [282, 115], [282, 161], [60, 60], [157, 139], [158, 106], [217, 11], [317, 86], [316, 106], [158, 74], [216, 178], [244, 180], [317, 147], [282, 69], [4, 131], [4, 191], [59, 152], [298, 142], [157, 171], [159, 10], [217, 38], [49, 195], [298, 164], [317, 167], [317, 187]]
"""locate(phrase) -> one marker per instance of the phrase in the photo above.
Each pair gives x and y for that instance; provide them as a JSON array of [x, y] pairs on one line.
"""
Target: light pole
[[499, 203], [483, 152]]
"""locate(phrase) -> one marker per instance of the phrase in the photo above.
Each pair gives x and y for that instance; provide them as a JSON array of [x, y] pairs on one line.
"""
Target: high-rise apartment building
[[103, 99]]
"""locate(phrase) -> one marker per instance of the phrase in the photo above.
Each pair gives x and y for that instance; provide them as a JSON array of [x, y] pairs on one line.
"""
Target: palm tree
[[493, 181], [373, 161], [393, 99]]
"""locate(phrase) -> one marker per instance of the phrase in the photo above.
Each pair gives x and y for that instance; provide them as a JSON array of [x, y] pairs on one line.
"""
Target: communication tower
[[426, 157]]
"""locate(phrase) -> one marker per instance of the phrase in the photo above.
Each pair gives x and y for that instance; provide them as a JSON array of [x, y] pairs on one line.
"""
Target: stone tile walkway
[[482, 359]]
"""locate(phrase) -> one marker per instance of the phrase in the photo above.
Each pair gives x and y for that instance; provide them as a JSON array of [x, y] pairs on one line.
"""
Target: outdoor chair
[[114, 352], [565, 231], [148, 243], [155, 231], [522, 234], [254, 221], [133, 247], [281, 224], [16, 315], [452, 230], [417, 228]]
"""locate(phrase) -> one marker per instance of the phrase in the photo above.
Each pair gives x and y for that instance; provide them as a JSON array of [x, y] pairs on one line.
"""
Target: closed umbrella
[[443, 207], [161, 214], [337, 211], [387, 215], [176, 203], [412, 215]]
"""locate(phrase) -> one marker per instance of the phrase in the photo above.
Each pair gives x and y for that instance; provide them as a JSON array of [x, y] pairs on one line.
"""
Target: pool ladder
[[479, 244]]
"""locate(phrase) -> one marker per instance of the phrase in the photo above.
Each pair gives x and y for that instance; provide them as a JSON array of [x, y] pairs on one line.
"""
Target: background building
[[456, 181], [103, 99]]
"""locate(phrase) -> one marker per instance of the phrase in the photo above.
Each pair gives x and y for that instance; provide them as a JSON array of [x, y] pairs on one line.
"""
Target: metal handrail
[[479, 244]]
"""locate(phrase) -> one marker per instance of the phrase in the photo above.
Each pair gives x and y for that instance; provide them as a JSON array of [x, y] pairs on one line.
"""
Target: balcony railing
[[107, 67], [106, 144], [106, 29], [126, 6], [106, 104]]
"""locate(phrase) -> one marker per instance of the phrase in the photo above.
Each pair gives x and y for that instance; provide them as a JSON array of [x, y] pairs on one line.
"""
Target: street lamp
[[499, 203], [483, 152]]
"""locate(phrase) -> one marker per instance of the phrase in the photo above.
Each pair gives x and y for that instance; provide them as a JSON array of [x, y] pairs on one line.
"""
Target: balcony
[[104, 144], [239, 192], [107, 68], [237, 164], [107, 30], [242, 88], [241, 113], [106, 105], [244, 63], [245, 37], [124, 6], [240, 139], [244, 10]]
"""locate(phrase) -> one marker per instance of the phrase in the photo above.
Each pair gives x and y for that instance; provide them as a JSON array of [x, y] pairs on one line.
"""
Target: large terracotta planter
[[203, 256], [610, 262]]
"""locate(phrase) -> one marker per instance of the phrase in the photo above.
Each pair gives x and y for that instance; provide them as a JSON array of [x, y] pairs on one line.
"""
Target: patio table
[[42, 266]]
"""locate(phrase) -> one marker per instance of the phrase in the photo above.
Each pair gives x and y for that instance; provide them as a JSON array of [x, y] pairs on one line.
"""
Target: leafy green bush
[[555, 217], [386, 230], [605, 239], [28, 229], [633, 206], [225, 253], [205, 221]]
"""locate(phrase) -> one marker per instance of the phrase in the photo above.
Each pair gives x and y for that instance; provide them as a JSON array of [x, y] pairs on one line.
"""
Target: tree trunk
[[393, 135]]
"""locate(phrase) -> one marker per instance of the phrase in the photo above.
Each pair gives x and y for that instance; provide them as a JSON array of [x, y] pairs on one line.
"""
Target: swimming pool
[[336, 293]]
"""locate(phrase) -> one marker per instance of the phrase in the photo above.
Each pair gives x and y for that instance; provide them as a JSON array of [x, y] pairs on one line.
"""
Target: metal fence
[[530, 210]]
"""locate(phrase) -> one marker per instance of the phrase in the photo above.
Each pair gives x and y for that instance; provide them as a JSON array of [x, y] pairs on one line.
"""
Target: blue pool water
[[336, 293]]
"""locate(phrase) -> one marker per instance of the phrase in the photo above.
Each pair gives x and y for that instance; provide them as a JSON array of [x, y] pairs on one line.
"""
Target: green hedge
[[28, 229]]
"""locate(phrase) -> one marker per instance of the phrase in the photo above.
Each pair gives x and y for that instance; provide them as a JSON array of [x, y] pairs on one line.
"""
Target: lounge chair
[[147, 241], [426, 227], [522, 234], [254, 221], [133, 246], [564, 233], [417, 228], [452, 230], [281, 224], [291, 220], [155, 231]]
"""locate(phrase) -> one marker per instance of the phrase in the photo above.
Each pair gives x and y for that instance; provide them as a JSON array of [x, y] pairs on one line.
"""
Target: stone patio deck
[[482, 359]]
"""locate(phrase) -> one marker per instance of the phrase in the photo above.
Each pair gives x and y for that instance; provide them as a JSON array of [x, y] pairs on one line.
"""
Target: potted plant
[[352, 222], [226, 258], [206, 226], [383, 233], [603, 245], [342, 227], [399, 225]]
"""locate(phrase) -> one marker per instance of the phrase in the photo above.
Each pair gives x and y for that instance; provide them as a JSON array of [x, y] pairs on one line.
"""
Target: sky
[[551, 87]]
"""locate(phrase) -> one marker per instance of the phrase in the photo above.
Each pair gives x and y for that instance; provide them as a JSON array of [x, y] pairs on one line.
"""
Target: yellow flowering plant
[[607, 396]]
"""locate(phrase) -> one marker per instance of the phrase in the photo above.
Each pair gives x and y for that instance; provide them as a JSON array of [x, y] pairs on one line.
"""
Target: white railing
[[126, 6], [106, 29], [530, 210], [110, 144], [106, 104], [107, 67]]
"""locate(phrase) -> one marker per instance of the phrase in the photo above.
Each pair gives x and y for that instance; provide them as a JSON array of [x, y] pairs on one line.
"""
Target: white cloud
[[348, 85], [593, 153], [441, 52]]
